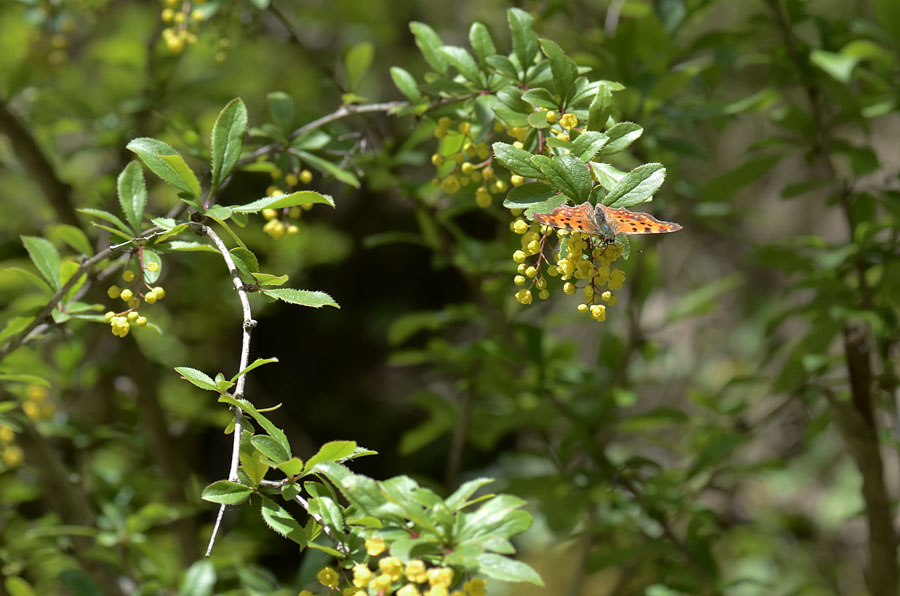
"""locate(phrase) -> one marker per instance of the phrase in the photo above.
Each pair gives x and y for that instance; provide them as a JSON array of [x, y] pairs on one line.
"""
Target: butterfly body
[[604, 222]]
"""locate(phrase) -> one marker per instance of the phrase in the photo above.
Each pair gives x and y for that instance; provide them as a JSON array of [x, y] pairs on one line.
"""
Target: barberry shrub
[[687, 446]]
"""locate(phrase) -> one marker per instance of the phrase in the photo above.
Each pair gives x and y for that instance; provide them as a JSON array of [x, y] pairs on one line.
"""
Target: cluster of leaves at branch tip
[[559, 128]]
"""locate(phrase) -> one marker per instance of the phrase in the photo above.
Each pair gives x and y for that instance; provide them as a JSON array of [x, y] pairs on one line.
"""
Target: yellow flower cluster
[[392, 576], [278, 224], [585, 260], [464, 171], [36, 406], [121, 322], [182, 19]]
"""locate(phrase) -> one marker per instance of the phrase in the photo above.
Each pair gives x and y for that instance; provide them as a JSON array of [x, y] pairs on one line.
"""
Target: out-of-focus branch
[[36, 162], [857, 422]]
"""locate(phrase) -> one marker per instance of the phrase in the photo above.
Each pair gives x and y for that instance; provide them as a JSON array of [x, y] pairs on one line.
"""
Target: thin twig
[[342, 112], [23, 335], [305, 504], [246, 327]]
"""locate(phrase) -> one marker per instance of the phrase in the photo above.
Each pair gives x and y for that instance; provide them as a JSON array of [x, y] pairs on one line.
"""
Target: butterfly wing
[[579, 218], [624, 221]]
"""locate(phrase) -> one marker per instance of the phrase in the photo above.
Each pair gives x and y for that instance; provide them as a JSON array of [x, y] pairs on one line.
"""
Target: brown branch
[[36, 162], [856, 422]]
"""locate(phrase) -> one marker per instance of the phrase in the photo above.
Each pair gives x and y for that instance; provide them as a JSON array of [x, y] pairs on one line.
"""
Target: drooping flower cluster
[[467, 147], [389, 575], [136, 288], [278, 221], [581, 262]]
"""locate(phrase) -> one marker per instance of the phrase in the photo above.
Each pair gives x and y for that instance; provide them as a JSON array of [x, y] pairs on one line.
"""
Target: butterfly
[[605, 222]]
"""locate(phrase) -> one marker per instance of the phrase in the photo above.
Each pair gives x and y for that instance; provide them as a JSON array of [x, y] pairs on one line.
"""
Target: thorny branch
[[247, 327]]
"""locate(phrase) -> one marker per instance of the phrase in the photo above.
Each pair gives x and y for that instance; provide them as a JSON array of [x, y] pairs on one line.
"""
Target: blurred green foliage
[[731, 429]]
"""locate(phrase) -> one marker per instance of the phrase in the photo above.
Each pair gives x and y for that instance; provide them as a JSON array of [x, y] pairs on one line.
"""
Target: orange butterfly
[[605, 222]]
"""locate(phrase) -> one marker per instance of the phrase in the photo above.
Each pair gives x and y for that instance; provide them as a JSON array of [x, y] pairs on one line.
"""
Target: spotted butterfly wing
[[623, 221], [581, 218]]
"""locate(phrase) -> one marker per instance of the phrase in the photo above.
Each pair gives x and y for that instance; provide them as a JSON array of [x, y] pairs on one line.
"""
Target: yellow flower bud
[[551, 117], [520, 226], [153, 267], [519, 280], [328, 577], [126, 295], [524, 296], [306, 176], [375, 546], [531, 272], [464, 127], [569, 288], [438, 160], [113, 292], [519, 256], [128, 275]]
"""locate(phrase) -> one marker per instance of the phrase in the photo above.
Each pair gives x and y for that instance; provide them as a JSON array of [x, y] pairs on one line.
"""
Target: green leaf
[[301, 197], [725, 186], [621, 136], [291, 467], [563, 68], [226, 492], [429, 43], [481, 42], [185, 246], [132, 194], [463, 62], [607, 175], [72, 236], [566, 173], [323, 165], [503, 65], [175, 171], [273, 431], [329, 511], [24, 378], [281, 109], [151, 256], [267, 279], [334, 451], [281, 522], [524, 39], [638, 186], [196, 377], [244, 259], [357, 62], [36, 280], [45, 257], [461, 495], [252, 462], [17, 586], [106, 215], [187, 177], [511, 97], [199, 579], [227, 139], [528, 194], [301, 297], [270, 448], [839, 66], [588, 144], [541, 98], [255, 364], [406, 83], [506, 569], [703, 300], [517, 161]]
